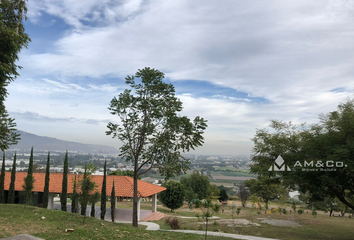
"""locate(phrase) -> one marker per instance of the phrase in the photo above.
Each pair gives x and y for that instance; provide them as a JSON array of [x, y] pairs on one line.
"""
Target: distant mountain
[[52, 144]]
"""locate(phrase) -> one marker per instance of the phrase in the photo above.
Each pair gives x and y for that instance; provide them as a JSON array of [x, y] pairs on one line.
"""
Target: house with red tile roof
[[123, 185]]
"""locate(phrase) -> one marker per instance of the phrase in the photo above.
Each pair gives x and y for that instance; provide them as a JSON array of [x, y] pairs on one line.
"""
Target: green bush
[[300, 211], [314, 212], [285, 211]]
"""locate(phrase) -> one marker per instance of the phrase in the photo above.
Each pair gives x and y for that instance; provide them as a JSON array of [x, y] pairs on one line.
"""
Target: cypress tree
[[64, 189], [11, 196], [113, 202], [2, 180], [87, 186], [94, 199], [103, 192], [46, 183], [29, 180], [74, 198]]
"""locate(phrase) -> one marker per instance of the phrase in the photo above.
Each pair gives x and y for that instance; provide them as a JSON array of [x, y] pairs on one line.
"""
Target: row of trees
[[27, 187], [83, 188], [328, 145], [87, 194]]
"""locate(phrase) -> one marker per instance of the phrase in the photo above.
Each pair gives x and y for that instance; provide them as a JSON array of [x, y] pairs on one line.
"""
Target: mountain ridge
[[43, 143]]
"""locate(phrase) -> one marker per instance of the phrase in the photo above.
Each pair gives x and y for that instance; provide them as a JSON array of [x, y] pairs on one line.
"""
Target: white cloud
[[293, 54]]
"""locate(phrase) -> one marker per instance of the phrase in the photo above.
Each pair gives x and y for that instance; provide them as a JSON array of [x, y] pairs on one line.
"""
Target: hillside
[[52, 144], [51, 224]]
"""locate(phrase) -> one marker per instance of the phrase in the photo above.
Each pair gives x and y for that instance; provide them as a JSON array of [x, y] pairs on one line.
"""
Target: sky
[[238, 64]]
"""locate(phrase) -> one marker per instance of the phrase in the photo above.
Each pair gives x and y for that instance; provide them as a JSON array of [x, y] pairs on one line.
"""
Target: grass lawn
[[312, 228], [15, 220]]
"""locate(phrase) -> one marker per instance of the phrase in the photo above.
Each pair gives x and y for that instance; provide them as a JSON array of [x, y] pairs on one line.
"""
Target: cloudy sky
[[238, 64]]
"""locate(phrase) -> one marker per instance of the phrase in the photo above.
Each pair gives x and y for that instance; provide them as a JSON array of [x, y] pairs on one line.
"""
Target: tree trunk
[[135, 199], [92, 209], [265, 207], [343, 200], [206, 229]]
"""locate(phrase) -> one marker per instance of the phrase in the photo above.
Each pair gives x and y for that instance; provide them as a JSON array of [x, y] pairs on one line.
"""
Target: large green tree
[[173, 196], [2, 180], [263, 187], [199, 183], [29, 181], [12, 39], [46, 183], [151, 130], [64, 188], [327, 145], [11, 195]]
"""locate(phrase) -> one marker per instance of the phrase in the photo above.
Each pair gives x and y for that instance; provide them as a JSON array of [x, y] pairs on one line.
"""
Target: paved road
[[218, 234], [22, 237], [120, 214]]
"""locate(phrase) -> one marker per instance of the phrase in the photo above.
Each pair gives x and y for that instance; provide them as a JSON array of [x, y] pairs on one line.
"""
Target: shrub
[[300, 211], [173, 222], [293, 206], [314, 212], [238, 210], [285, 211]]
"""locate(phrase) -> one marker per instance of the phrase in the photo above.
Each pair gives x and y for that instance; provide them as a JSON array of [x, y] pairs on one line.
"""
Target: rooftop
[[123, 185]]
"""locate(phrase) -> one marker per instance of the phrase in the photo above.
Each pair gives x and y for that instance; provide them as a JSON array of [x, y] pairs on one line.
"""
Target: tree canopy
[[198, 183], [321, 156], [12, 39], [263, 187], [173, 196], [152, 132]]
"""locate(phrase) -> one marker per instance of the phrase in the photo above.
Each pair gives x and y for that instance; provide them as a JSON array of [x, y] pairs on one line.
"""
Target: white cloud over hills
[[252, 60]]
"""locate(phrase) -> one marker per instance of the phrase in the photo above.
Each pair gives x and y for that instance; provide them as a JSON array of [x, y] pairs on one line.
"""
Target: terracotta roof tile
[[123, 184]]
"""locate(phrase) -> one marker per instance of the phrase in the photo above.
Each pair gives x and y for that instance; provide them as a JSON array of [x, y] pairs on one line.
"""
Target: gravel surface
[[280, 223]]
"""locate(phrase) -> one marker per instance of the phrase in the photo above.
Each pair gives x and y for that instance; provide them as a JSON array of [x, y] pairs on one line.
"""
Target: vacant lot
[[285, 226]]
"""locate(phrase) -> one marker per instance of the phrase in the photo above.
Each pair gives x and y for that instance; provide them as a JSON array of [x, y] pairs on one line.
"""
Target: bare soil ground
[[279, 222]]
